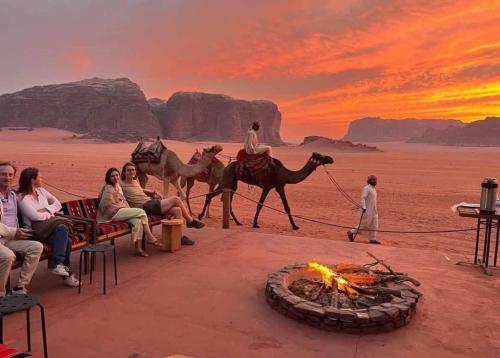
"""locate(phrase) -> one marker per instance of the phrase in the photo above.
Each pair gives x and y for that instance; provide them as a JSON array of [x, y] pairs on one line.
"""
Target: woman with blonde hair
[[114, 207]]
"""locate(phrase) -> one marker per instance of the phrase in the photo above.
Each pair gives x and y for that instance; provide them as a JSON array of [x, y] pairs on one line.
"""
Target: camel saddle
[[148, 153], [203, 176], [253, 163]]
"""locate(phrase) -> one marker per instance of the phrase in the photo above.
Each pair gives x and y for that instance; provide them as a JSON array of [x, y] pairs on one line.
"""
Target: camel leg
[[177, 186], [189, 183], [281, 192], [210, 189], [166, 183], [232, 212], [208, 199], [263, 197]]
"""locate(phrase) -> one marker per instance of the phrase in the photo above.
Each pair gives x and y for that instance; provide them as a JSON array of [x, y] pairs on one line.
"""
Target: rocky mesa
[[91, 105], [376, 129], [204, 116], [322, 143], [482, 133]]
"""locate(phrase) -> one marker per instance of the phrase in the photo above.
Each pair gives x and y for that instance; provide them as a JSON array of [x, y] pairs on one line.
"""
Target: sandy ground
[[207, 301], [417, 185]]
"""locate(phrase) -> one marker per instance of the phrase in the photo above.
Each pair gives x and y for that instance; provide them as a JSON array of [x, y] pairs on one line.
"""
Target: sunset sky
[[324, 63]]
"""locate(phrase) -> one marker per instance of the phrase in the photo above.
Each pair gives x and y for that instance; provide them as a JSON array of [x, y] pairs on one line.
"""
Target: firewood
[[381, 262], [399, 279]]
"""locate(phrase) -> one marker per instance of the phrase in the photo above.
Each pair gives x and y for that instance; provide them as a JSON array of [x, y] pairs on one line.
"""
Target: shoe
[[72, 281], [19, 291], [195, 224], [60, 270], [350, 236], [186, 240], [375, 242]]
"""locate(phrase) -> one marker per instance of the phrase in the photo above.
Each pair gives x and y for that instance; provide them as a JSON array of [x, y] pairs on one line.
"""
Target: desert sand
[[207, 300], [417, 185]]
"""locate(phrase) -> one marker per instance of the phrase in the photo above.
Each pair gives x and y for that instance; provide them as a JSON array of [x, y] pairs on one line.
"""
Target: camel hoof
[[295, 227], [256, 226], [238, 223], [201, 217]]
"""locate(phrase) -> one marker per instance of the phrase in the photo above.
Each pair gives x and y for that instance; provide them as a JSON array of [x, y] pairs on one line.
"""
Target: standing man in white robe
[[252, 145], [369, 219]]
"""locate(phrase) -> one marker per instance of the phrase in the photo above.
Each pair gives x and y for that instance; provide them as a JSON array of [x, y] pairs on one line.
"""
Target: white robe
[[252, 145], [370, 217]]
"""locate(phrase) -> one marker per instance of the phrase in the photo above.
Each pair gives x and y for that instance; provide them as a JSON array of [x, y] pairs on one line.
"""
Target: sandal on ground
[[141, 253], [156, 243], [197, 224]]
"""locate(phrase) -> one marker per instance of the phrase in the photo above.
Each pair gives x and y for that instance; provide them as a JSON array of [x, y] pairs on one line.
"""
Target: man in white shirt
[[12, 238], [252, 145], [369, 213]]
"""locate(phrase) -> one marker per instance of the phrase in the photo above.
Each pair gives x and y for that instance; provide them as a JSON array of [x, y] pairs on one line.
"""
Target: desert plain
[[212, 293]]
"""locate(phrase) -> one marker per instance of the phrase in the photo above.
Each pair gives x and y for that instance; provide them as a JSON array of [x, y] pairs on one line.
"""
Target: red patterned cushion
[[108, 228], [90, 207], [6, 352], [72, 208]]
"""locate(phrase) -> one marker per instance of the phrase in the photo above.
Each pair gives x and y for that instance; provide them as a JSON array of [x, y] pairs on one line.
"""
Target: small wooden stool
[[171, 234]]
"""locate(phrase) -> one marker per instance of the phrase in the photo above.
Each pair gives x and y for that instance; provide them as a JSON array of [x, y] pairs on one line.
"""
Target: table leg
[[92, 265], [44, 332], [487, 243], [478, 232], [80, 273], [1, 328], [28, 329], [104, 270], [496, 243], [116, 272]]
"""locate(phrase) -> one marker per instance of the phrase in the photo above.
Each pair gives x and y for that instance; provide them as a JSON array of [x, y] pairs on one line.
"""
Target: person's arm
[[7, 232], [54, 203], [28, 209], [364, 196]]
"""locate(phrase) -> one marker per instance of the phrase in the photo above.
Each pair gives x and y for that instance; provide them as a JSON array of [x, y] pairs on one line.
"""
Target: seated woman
[[38, 207], [114, 207], [138, 197]]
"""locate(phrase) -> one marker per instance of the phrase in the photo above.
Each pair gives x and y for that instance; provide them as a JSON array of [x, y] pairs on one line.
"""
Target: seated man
[[252, 145], [137, 197], [12, 238]]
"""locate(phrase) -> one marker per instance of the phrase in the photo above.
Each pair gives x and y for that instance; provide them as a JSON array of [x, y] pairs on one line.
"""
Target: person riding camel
[[252, 145]]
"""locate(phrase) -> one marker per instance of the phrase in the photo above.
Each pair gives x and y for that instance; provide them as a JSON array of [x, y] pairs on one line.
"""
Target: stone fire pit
[[386, 303]]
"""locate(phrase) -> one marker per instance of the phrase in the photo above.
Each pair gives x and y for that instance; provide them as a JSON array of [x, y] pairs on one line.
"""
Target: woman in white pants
[[114, 207]]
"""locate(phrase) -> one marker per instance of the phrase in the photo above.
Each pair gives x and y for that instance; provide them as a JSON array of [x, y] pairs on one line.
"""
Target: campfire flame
[[346, 282], [328, 275]]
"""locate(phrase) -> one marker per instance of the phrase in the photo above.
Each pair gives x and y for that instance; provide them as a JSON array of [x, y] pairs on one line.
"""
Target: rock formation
[[317, 142], [203, 116], [91, 105], [483, 133], [392, 130]]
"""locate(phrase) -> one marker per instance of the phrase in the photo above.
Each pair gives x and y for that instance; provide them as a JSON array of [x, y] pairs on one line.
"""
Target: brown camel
[[212, 175], [170, 168], [276, 176]]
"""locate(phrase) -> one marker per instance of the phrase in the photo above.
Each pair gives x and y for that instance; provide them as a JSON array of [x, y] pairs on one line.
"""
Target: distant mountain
[[207, 116], [324, 143], [91, 105], [393, 130], [483, 133]]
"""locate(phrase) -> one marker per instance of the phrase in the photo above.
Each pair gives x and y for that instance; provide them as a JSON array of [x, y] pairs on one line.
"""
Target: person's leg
[[174, 201], [32, 251], [372, 236], [7, 258], [137, 218], [176, 212], [67, 259], [58, 241]]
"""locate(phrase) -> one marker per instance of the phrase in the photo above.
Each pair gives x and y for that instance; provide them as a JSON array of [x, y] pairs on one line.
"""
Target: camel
[[276, 176], [213, 178], [170, 168]]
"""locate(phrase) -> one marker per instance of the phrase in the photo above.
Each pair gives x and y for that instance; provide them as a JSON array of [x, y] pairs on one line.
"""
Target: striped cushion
[[108, 228]]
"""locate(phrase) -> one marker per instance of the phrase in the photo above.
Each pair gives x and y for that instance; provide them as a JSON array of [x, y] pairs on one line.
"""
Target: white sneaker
[[19, 291], [72, 281], [60, 270]]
